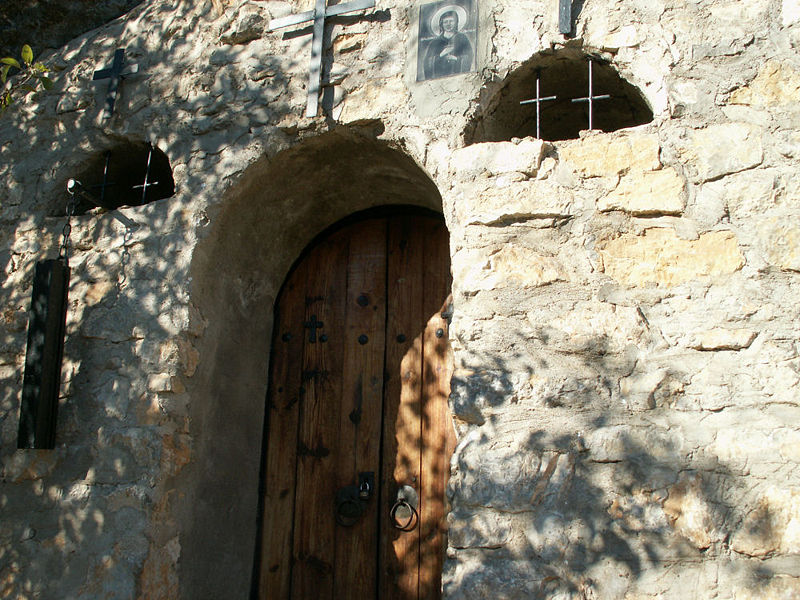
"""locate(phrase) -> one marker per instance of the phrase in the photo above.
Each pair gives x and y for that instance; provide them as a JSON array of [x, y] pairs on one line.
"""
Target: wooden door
[[359, 381]]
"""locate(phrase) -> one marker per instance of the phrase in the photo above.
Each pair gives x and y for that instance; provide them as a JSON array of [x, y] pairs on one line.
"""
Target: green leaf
[[28, 88], [46, 82], [40, 68], [27, 54], [10, 61], [4, 73]]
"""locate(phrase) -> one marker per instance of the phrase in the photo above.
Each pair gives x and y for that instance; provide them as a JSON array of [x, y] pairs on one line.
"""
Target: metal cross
[[116, 73], [146, 184], [105, 184], [313, 325], [564, 16], [591, 98], [538, 100], [321, 10]]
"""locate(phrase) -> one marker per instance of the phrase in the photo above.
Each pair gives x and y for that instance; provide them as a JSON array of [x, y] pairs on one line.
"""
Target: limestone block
[[780, 239], [719, 150], [375, 98], [510, 266], [517, 40], [604, 155], [790, 12], [689, 512], [472, 576], [485, 529], [94, 293], [248, 25], [74, 99], [509, 474], [773, 525], [30, 465], [622, 443], [625, 37], [777, 587], [724, 339], [495, 158], [164, 382], [743, 194], [790, 446], [518, 201], [638, 389], [777, 84], [735, 446], [660, 257], [596, 327], [641, 511], [647, 193]]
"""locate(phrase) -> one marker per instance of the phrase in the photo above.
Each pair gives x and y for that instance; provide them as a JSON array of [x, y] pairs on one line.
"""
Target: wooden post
[[42, 380]]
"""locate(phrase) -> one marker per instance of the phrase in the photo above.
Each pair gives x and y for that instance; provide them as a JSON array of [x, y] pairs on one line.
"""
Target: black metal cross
[[564, 16], [538, 100], [146, 183], [591, 97], [116, 73], [321, 10], [313, 325]]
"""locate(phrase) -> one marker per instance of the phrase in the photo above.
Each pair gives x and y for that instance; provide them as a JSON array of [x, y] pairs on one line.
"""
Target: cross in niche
[[116, 73], [102, 186], [146, 183], [538, 100], [591, 98], [321, 10], [313, 325]]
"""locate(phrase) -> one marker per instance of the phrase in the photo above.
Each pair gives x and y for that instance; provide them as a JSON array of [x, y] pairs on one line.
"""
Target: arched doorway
[[276, 208], [357, 415]]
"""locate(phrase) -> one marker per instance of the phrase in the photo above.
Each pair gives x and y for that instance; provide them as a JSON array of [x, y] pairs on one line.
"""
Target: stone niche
[[123, 168], [564, 74]]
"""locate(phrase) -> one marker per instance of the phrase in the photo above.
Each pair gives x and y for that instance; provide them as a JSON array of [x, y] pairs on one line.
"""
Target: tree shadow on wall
[[126, 449], [559, 491]]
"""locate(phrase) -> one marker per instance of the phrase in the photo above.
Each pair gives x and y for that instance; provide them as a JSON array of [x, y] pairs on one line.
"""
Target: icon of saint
[[450, 52]]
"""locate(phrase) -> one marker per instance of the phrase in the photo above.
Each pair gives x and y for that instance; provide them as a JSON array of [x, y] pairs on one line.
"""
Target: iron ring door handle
[[407, 501], [348, 511], [413, 517]]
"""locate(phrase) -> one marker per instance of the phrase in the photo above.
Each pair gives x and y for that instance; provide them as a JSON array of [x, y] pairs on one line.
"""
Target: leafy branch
[[31, 75]]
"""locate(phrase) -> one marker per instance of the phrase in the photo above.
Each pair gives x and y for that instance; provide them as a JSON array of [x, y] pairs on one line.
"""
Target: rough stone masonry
[[625, 330]]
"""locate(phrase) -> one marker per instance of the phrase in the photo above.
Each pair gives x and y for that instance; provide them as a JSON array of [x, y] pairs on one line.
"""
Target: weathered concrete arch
[[264, 223]]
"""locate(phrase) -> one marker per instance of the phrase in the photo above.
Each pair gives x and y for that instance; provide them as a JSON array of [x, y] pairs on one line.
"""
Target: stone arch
[[264, 223], [563, 73]]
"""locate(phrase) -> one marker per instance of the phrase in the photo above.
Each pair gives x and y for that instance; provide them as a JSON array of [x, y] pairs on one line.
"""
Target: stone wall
[[625, 331]]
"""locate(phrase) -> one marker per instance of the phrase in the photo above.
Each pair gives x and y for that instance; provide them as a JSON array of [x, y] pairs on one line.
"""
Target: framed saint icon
[[448, 38]]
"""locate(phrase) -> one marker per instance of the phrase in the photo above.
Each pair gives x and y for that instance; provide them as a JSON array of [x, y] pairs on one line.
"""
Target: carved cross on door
[[321, 10]]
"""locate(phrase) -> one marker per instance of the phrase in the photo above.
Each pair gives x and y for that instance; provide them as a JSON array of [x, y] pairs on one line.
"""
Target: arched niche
[[564, 74], [126, 174], [263, 225]]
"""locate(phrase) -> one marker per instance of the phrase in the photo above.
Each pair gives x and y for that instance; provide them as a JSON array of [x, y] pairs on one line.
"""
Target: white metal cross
[[538, 101], [317, 15], [591, 97]]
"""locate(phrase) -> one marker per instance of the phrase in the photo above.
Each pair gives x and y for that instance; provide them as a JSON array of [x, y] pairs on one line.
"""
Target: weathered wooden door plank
[[436, 424], [319, 444], [362, 403], [283, 406], [399, 556]]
